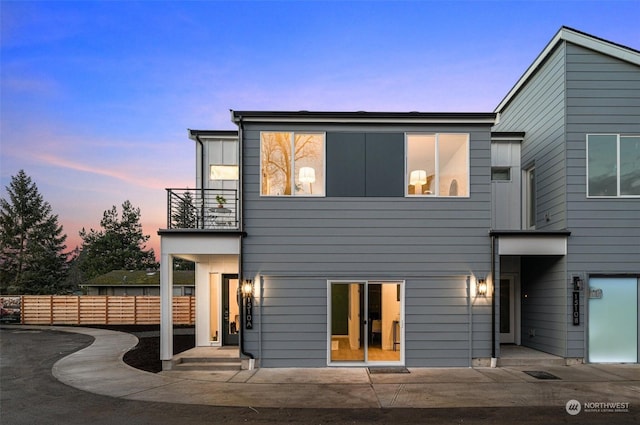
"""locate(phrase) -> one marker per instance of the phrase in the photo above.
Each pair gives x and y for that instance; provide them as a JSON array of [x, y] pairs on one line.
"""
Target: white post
[[166, 310]]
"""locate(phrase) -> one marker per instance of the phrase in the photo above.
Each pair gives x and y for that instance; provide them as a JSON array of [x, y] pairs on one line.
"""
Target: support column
[[166, 310]]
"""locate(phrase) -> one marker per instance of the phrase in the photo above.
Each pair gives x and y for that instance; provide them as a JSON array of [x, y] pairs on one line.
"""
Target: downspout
[[470, 312], [202, 180], [494, 360], [240, 256]]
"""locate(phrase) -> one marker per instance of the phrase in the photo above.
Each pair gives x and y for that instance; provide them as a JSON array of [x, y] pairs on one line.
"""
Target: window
[[437, 165], [292, 164], [613, 165], [500, 173], [365, 322], [530, 197], [223, 172]]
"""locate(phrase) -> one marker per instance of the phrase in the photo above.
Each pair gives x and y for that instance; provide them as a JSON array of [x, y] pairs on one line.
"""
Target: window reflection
[[292, 164]]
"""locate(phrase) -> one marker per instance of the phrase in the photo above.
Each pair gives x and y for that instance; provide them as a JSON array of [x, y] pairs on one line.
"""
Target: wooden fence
[[102, 310]]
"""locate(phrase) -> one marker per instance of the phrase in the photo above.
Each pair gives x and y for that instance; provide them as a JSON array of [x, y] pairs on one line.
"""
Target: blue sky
[[96, 96]]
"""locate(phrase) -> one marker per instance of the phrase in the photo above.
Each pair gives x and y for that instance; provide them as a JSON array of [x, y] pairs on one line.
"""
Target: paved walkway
[[99, 369]]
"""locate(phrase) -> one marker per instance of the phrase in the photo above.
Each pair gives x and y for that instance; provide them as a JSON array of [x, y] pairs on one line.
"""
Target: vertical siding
[[603, 96], [298, 244], [506, 202], [539, 111]]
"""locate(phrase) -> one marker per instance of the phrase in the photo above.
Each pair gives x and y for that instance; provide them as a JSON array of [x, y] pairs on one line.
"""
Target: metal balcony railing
[[207, 209]]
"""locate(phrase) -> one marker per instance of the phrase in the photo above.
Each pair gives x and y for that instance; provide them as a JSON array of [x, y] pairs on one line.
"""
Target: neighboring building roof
[[579, 38], [364, 117], [140, 278]]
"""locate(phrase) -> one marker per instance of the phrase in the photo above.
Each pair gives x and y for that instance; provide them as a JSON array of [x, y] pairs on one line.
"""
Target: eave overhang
[[511, 136], [362, 117], [213, 134], [531, 242], [201, 232]]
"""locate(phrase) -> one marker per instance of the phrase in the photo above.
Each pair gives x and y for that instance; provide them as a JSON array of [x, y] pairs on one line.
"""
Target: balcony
[[205, 209]]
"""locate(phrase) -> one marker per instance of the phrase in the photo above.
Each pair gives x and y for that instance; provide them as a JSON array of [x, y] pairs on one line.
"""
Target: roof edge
[[579, 38], [363, 117], [221, 134]]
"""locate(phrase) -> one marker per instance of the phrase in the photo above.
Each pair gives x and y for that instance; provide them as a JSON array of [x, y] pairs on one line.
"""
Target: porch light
[[247, 288], [418, 177], [481, 287]]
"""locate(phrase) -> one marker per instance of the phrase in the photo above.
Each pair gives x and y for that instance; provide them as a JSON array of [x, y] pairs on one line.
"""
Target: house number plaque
[[248, 313], [576, 308]]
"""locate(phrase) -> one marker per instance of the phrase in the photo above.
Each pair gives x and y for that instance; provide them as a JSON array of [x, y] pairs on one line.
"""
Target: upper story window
[[292, 164], [437, 165], [223, 172], [613, 165], [499, 174]]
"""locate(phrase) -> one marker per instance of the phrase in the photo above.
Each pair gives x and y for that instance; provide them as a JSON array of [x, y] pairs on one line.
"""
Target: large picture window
[[292, 164], [613, 165], [437, 165]]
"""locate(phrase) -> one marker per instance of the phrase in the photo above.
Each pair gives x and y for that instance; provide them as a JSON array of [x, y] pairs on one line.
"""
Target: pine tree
[[119, 245], [32, 260], [186, 215]]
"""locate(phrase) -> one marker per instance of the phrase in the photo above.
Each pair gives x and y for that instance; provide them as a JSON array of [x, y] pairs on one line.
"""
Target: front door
[[365, 322], [230, 310], [613, 320], [507, 311]]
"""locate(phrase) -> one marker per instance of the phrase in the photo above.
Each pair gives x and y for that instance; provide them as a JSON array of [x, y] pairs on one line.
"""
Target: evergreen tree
[[32, 260], [119, 245], [186, 216]]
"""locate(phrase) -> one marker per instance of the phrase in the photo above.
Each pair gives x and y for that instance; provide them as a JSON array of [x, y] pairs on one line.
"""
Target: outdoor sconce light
[[481, 287], [247, 288], [577, 283]]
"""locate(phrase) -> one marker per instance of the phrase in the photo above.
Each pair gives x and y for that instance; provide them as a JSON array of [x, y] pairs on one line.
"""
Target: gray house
[[578, 106], [423, 239]]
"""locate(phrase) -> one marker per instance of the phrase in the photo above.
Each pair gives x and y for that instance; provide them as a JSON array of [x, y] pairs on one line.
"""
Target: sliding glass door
[[365, 322]]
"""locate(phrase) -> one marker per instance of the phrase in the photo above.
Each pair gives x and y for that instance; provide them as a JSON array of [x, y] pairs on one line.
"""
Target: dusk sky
[[97, 96]]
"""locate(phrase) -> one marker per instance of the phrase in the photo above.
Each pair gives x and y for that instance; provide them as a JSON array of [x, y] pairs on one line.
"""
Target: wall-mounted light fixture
[[577, 283], [481, 287], [247, 288]]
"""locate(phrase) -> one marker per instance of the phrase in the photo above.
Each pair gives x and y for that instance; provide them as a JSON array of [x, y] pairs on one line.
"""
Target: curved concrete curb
[[99, 369]]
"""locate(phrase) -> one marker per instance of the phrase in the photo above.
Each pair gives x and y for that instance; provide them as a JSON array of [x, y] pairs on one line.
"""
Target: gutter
[[494, 360], [202, 171]]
